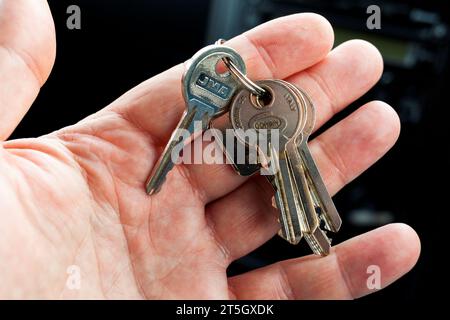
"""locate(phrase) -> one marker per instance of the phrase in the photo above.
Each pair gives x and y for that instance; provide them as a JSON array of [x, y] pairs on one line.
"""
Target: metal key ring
[[249, 84]]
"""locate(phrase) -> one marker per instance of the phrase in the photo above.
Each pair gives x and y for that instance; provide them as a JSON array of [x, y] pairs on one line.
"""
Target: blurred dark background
[[122, 43]]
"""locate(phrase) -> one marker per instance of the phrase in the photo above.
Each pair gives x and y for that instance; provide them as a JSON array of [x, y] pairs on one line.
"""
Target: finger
[[27, 53], [276, 49], [350, 271], [245, 219], [343, 76], [347, 73]]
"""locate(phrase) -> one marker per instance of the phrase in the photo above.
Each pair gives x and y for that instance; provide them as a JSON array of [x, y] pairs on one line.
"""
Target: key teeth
[[319, 243], [294, 242], [327, 224]]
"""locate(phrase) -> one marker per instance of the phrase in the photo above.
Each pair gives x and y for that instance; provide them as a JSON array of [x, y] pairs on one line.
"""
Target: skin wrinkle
[[266, 190], [231, 291], [285, 284], [106, 285], [129, 264], [30, 217], [151, 216], [334, 157], [97, 261], [212, 170], [31, 63], [69, 137], [195, 186], [11, 120], [135, 124], [343, 273], [130, 260], [263, 55], [39, 65], [72, 235], [33, 157], [117, 275], [221, 246], [140, 287], [74, 259], [117, 210], [324, 90], [187, 245], [89, 181], [28, 61], [176, 265]]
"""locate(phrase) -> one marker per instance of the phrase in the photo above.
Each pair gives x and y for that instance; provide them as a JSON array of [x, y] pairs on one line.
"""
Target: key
[[309, 198], [318, 205], [308, 220], [207, 94], [285, 114], [223, 124], [310, 223], [286, 198], [320, 195]]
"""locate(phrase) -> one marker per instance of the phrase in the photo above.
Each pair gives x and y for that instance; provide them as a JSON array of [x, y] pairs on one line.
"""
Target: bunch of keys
[[232, 102], [305, 205]]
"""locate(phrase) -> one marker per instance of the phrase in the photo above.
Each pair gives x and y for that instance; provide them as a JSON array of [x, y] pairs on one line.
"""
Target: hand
[[76, 197]]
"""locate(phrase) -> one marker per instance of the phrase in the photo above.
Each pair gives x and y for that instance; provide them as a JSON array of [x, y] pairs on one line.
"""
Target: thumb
[[27, 54]]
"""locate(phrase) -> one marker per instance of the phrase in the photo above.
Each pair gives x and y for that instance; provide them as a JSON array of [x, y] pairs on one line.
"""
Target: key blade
[[286, 231], [277, 203], [318, 242], [286, 197], [319, 191], [165, 164], [309, 220]]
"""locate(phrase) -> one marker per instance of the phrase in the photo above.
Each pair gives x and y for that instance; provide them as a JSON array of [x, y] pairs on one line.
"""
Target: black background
[[122, 43]]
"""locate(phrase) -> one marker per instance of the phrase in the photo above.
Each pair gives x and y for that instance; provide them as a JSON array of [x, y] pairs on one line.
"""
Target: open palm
[[76, 196]]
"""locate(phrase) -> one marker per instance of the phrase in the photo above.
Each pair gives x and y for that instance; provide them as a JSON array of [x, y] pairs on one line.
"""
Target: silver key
[[283, 113], [317, 203], [223, 124], [207, 94], [313, 203], [320, 195]]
